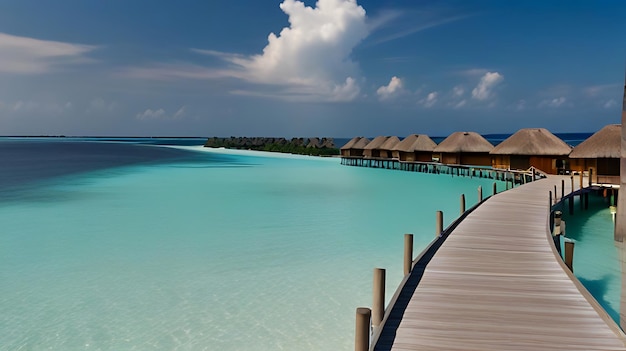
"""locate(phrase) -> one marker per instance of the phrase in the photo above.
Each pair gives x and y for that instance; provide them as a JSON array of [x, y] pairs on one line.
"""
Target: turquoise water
[[596, 258], [240, 252]]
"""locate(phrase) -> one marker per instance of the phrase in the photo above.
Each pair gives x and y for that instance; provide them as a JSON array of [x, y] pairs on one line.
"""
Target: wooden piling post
[[378, 304], [439, 223], [550, 198], [408, 253], [562, 188], [555, 195], [571, 178], [580, 194], [480, 194], [571, 204], [462, 204], [569, 255], [495, 188], [580, 180], [362, 332], [590, 175]]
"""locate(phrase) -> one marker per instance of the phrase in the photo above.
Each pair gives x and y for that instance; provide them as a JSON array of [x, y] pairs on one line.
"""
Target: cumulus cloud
[[484, 89], [23, 55], [430, 100], [393, 88], [311, 57]]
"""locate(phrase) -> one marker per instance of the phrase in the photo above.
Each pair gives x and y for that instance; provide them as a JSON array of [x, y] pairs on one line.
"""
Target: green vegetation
[[300, 150], [300, 146]]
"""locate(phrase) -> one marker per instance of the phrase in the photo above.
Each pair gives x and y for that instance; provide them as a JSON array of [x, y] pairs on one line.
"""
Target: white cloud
[[460, 103], [393, 88], [417, 28], [180, 113], [430, 100], [151, 114], [160, 113], [46, 108], [488, 82], [596, 90], [310, 59], [171, 71], [521, 105], [99, 104], [23, 55], [473, 72], [609, 104], [556, 102], [458, 91]]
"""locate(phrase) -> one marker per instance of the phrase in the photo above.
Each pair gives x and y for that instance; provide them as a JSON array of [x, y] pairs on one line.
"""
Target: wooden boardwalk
[[496, 284]]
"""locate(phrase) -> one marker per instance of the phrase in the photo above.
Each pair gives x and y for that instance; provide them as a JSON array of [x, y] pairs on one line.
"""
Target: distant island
[[300, 146]]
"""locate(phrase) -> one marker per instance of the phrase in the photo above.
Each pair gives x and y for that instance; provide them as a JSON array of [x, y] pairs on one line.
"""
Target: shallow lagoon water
[[218, 251], [596, 258]]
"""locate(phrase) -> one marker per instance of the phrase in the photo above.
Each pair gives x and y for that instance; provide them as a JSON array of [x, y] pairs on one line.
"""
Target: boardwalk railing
[[574, 319], [506, 175]]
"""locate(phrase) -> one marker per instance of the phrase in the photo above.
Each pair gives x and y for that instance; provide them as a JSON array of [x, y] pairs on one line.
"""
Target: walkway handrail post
[[495, 188], [378, 303], [562, 188], [580, 180], [462, 204], [569, 255], [480, 193], [555, 195], [590, 175], [439, 223], [408, 253], [572, 181], [550, 197], [533, 174], [362, 332]]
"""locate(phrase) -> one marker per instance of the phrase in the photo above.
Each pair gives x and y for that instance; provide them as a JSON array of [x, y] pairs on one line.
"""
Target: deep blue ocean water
[[128, 244]]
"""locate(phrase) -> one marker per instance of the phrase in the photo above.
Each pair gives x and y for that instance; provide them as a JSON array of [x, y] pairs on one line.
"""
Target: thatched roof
[[390, 143], [605, 143], [532, 141], [416, 142], [464, 142], [376, 143], [356, 143], [351, 143]]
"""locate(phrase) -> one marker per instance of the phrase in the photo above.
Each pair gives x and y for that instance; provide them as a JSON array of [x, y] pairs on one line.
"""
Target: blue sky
[[328, 68]]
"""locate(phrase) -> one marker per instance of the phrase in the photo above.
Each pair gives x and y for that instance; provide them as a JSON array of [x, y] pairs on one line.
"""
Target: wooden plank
[[497, 284]]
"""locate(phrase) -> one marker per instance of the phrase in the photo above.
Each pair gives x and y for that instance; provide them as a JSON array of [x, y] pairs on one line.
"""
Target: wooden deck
[[497, 284]]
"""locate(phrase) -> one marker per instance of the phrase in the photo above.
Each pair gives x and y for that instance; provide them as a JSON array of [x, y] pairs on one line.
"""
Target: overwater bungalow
[[354, 147], [535, 147], [415, 147], [380, 147], [466, 148], [372, 149], [602, 152], [386, 149]]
